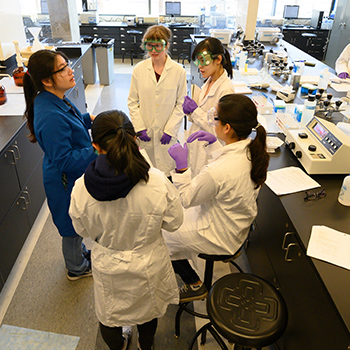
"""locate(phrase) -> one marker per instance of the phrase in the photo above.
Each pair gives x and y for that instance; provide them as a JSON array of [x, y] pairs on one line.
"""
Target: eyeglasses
[[65, 69], [213, 117], [311, 196], [157, 45]]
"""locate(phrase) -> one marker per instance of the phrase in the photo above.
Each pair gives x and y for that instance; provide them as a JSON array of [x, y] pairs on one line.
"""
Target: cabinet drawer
[[9, 186], [29, 155]]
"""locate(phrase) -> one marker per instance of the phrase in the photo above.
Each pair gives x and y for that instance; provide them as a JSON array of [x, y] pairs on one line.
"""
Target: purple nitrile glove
[[179, 154], [143, 135], [343, 75], [165, 139], [202, 136], [189, 105]]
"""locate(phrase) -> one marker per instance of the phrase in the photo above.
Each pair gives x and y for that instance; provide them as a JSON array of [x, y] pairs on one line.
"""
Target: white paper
[[341, 87], [241, 87], [329, 245], [15, 105], [289, 180]]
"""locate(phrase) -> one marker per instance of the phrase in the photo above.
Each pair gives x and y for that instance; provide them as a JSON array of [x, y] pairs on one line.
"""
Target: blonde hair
[[157, 32]]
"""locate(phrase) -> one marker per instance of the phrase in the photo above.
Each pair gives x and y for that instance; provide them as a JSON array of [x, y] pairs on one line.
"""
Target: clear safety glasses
[[157, 45], [65, 70], [204, 59], [213, 117]]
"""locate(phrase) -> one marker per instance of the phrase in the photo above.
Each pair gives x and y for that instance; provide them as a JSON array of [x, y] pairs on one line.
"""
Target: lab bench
[[316, 292]]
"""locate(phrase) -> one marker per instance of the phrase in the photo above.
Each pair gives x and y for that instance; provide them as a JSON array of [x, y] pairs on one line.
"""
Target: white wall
[[11, 27]]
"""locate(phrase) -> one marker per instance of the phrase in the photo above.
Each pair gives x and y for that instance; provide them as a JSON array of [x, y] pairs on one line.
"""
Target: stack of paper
[[329, 245]]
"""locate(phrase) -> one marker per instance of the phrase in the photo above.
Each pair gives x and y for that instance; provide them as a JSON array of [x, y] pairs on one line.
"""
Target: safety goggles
[[64, 70], [213, 117], [204, 58], [157, 45]]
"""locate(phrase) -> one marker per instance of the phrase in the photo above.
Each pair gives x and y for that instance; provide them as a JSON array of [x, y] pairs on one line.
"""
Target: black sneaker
[[189, 293], [74, 277]]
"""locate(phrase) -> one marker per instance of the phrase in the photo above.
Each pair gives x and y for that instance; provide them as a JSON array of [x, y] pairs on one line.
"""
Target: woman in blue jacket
[[62, 133]]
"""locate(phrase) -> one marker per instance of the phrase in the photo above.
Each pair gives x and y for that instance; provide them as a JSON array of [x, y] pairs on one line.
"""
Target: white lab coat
[[133, 277], [220, 202], [197, 154], [157, 107], [342, 64]]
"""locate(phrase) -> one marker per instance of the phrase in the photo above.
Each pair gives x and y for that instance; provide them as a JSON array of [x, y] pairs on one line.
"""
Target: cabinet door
[[314, 322], [77, 95], [34, 193], [9, 186], [28, 155], [13, 233]]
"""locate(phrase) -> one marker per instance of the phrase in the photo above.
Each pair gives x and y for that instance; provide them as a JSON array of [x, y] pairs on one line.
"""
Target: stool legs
[[214, 333]]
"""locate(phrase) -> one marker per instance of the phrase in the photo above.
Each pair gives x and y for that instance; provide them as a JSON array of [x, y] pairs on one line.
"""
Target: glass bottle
[[3, 97], [18, 75]]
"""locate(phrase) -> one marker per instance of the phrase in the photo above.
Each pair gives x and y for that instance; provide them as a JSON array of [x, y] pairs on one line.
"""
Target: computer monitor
[[290, 11], [173, 8]]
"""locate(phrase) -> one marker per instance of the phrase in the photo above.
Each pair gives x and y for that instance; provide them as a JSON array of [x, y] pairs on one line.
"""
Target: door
[[340, 35]]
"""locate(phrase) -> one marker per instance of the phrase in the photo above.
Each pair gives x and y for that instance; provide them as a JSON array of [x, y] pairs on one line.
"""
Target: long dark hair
[[41, 65], [115, 134], [215, 46], [240, 112]]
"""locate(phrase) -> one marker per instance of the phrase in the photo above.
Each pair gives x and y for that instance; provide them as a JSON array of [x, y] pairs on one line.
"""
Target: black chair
[[246, 310], [135, 48], [208, 277], [185, 55]]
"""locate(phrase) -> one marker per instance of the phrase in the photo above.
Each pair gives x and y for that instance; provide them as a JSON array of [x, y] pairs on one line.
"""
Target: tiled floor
[[37, 294]]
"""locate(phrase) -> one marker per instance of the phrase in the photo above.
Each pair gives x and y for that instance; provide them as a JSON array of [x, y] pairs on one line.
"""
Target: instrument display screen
[[320, 130]]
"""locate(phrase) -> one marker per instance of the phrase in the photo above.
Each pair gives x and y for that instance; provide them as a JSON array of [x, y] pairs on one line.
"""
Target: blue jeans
[[73, 250]]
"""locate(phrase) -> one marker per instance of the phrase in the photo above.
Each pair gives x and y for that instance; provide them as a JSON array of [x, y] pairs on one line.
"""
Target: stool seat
[[247, 310]]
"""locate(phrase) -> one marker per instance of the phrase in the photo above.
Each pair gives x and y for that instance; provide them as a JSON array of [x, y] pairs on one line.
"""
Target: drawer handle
[[27, 197], [22, 200], [18, 154], [292, 252], [77, 92], [13, 162], [287, 239]]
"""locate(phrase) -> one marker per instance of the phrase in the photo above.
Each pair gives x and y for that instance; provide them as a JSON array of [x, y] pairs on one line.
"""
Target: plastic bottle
[[344, 194], [243, 56], [308, 110], [324, 79]]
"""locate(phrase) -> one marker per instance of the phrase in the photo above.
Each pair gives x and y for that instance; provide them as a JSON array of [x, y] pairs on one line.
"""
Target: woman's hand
[[202, 136], [179, 154], [343, 75], [142, 135], [165, 139], [189, 105]]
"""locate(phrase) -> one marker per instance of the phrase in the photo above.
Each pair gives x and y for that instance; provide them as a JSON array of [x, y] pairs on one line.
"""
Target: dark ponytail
[[215, 46], [41, 64], [240, 112], [114, 133]]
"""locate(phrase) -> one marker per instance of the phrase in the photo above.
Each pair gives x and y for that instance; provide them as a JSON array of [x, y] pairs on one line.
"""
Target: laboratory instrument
[[18, 72], [325, 107], [321, 147]]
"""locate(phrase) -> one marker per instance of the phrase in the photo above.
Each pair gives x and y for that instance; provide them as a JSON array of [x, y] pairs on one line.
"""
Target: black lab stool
[[208, 277], [246, 310]]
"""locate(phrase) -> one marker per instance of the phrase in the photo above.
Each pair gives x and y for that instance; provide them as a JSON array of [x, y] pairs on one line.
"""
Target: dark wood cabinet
[[124, 41], [22, 194], [315, 45]]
